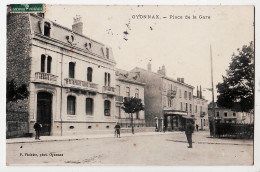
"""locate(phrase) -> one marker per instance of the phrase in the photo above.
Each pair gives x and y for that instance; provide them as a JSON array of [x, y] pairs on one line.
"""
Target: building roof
[[61, 35], [127, 76], [163, 76]]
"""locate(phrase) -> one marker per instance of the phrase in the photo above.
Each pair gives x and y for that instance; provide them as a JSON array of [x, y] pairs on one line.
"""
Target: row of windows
[[225, 114], [89, 106], [46, 67], [128, 94]]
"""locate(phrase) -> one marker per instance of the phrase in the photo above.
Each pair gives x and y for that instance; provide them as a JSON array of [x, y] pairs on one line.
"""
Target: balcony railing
[[119, 99], [45, 77], [109, 90], [81, 84]]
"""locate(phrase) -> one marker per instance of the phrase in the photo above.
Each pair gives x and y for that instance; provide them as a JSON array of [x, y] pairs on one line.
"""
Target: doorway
[[44, 112]]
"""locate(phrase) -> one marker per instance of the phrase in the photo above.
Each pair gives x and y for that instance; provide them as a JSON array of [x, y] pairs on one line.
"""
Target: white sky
[[183, 46]]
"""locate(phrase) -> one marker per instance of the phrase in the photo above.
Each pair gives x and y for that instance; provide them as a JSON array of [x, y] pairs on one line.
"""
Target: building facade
[[201, 111], [225, 115], [70, 77], [128, 85], [168, 102]]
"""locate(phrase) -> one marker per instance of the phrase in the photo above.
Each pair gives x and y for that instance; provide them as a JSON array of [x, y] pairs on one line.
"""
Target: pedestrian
[[37, 127], [197, 127], [117, 130], [188, 131]]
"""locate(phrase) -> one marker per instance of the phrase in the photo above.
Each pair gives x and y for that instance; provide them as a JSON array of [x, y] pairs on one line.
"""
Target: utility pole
[[213, 102]]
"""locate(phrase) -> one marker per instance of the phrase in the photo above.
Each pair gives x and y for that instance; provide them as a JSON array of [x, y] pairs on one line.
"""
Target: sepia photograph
[[130, 85]]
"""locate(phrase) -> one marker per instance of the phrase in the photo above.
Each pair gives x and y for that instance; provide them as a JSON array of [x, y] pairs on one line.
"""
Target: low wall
[[16, 124]]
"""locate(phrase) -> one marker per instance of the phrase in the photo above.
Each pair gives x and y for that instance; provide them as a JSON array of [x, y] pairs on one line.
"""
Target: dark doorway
[[44, 112]]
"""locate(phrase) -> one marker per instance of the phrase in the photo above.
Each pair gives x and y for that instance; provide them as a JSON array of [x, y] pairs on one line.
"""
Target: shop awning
[[175, 112]]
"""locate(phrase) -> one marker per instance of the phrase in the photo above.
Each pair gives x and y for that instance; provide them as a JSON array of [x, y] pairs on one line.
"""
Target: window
[[181, 106], [71, 70], [190, 108], [49, 64], [137, 115], [217, 114], [204, 122], [71, 105], [186, 107], [200, 109], [234, 114], [47, 29], [107, 53], [89, 74], [43, 63], [136, 93], [180, 93], [196, 108], [118, 111], [107, 79], [189, 95], [118, 90], [169, 102], [127, 92], [185, 94], [164, 101], [225, 114], [89, 106], [107, 107], [45, 68]]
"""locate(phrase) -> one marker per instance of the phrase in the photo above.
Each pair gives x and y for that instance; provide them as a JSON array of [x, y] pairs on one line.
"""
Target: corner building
[[70, 77], [168, 102]]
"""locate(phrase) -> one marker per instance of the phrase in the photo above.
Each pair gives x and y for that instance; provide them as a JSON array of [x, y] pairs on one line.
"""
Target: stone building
[[128, 85], [168, 102], [201, 111], [225, 115], [70, 77]]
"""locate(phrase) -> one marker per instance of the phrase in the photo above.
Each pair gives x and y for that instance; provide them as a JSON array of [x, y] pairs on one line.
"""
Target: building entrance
[[44, 112]]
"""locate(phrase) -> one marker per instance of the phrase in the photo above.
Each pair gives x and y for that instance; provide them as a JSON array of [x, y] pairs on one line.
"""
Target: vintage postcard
[[130, 85]]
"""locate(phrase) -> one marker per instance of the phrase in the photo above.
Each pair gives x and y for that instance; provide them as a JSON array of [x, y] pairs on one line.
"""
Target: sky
[[181, 44]]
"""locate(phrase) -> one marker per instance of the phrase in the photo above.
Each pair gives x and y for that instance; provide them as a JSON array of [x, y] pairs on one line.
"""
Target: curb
[[85, 138], [222, 143]]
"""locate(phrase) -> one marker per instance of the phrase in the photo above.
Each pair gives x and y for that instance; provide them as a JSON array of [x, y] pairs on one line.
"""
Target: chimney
[[149, 67], [179, 79], [182, 80], [77, 26], [200, 92], [163, 71]]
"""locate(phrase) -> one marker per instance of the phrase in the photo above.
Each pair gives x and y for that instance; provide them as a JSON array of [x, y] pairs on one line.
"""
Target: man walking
[[197, 127], [37, 127], [188, 131]]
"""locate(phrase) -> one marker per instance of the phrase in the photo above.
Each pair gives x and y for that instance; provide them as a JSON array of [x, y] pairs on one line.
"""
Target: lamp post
[[212, 89]]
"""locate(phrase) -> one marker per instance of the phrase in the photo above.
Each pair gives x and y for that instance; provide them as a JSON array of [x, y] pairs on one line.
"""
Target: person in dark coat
[[117, 130], [37, 127], [188, 131], [197, 127]]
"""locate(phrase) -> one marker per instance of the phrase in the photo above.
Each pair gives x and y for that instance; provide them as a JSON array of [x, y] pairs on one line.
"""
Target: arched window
[[89, 74], [137, 93], [71, 70], [49, 64], [89, 106], [127, 92], [107, 105], [47, 29], [43, 63], [71, 105]]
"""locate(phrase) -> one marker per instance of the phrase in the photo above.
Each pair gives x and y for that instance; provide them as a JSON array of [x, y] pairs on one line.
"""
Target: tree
[[14, 93], [237, 88], [132, 105]]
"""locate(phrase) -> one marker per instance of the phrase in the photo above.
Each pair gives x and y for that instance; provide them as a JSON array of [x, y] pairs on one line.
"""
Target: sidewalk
[[201, 137], [81, 137]]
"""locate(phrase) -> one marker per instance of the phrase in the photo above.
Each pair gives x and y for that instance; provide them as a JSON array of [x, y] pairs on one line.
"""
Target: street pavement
[[167, 149]]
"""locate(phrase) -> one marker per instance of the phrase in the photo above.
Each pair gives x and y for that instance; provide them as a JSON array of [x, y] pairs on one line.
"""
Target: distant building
[[128, 84], [168, 102], [70, 77], [225, 115], [201, 111]]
